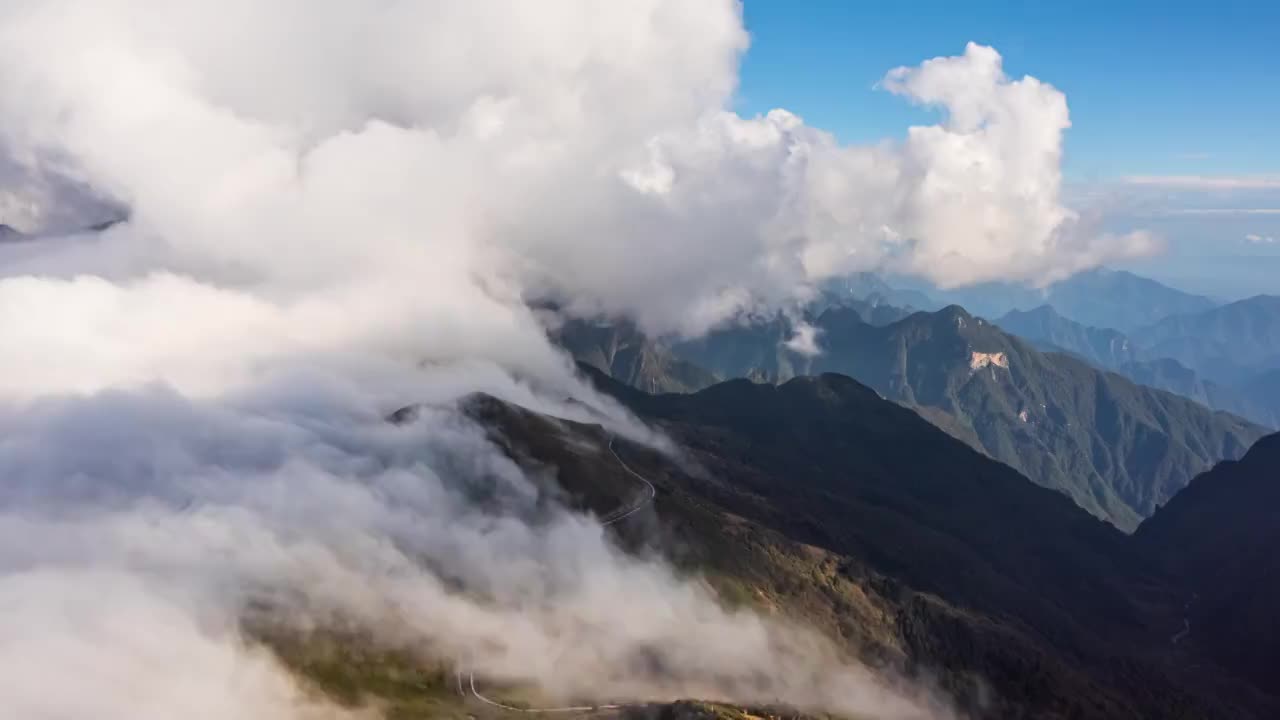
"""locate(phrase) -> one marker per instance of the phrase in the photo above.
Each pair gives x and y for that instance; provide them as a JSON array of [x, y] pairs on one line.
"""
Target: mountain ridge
[[1110, 349], [1100, 297], [1227, 344], [1118, 449]]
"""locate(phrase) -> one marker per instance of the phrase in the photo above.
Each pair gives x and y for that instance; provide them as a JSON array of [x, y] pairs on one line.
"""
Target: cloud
[[1255, 239], [805, 340], [1205, 182], [338, 208], [180, 515], [1162, 196], [1224, 211], [693, 213]]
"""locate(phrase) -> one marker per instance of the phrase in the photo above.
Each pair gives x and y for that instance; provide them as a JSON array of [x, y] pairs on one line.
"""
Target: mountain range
[[871, 288], [1098, 298], [1117, 448], [1110, 349], [1230, 344]]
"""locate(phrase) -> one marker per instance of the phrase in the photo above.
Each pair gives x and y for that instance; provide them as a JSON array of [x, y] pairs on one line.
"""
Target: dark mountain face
[[819, 500], [1228, 344], [1219, 536], [1098, 298]]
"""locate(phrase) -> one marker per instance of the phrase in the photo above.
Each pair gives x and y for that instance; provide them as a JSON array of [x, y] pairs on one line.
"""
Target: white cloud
[[805, 340], [326, 198], [1216, 211], [1206, 182], [1255, 239], [136, 528]]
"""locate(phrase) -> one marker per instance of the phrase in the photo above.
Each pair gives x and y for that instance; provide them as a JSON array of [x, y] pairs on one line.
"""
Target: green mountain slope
[[1117, 448]]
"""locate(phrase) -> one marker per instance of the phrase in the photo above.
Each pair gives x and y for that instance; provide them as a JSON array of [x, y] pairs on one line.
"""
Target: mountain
[[1264, 389], [1169, 374], [660, 365], [818, 500], [1113, 350], [1118, 449], [874, 308], [1099, 298], [1227, 344], [1120, 299], [1049, 330], [1219, 536], [622, 351], [870, 287]]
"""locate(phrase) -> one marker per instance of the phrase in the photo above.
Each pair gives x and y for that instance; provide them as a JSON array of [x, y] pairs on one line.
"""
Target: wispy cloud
[[1206, 182], [1221, 211], [1257, 239]]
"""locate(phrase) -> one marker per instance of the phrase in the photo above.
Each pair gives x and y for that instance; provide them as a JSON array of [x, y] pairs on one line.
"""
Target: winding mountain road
[[610, 518], [647, 497]]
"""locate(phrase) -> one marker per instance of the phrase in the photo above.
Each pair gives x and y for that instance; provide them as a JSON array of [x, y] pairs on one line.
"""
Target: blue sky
[[1154, 89]]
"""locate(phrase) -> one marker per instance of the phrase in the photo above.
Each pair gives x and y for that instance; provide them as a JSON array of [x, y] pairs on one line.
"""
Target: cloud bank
[[337, 208]]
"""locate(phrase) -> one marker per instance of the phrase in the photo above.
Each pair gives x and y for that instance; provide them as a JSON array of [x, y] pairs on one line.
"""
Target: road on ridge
[[618, 515]]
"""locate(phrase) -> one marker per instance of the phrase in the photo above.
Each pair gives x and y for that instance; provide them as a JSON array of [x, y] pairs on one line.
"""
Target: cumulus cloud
[[336, 208], [576, 168]]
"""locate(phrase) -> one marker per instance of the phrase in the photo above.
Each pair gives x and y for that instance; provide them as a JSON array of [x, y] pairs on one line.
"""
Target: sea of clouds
[[334, 209]]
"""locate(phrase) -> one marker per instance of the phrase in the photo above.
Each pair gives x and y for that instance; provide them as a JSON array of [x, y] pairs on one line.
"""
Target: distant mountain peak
[[1040, 311]]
